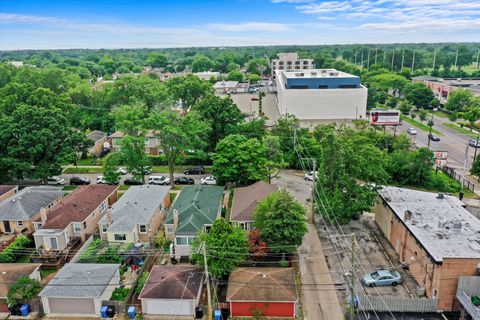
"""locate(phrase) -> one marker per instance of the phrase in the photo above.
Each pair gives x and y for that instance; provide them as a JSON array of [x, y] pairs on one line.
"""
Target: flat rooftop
[[316, 73], [442, 226]]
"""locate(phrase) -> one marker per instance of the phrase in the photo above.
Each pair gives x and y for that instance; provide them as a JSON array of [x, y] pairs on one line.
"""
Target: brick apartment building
[[434, 235]]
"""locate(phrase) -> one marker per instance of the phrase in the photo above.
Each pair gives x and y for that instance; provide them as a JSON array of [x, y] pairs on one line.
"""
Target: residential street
[[319, 297]]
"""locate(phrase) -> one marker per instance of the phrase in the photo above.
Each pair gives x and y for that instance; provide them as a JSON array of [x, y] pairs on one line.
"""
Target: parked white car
[[160, 180], [412, 131], [309, 176], [102, 180], [122, 171], [56, 181], [210, 180]]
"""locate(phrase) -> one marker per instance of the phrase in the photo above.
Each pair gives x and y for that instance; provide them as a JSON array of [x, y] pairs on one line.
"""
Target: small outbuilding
[[270, 291], [172, 290]]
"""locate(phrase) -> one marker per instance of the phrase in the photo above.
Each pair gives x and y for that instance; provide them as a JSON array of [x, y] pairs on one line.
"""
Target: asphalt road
[[453, 142]]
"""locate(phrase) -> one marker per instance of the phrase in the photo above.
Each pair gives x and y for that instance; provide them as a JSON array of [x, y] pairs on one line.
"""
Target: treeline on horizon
[[437, 59]]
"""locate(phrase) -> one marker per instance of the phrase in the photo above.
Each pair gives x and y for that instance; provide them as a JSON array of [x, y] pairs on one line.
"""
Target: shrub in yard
[[119, 294], [22, 291], [90, 255], [141, 282], [15, 250]]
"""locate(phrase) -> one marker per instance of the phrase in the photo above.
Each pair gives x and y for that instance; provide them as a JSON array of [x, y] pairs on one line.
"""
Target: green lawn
[[89, 162], [440, 114], [46, 272], [173, 195], [460, 129], [83, 170], [419, 125], [69, 188], [124, 187]]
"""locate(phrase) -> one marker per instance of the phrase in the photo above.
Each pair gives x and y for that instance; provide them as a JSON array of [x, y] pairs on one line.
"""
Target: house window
[[169, 228], [84, 225], [93, 215], [143, 228], [120, 237], [20, 224], [184, 241], [77, 227], [38, 225], [104, 228], [103, 207]]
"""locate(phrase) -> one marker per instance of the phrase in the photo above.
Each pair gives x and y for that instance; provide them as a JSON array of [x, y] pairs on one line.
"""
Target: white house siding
[[168, 307]]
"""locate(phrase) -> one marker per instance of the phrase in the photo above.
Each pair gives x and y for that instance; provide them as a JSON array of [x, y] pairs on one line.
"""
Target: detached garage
[[79, 288], [172, 290], [270, 291]]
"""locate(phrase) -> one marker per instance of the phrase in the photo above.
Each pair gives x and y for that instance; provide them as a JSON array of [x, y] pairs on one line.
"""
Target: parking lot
[[372, 252]]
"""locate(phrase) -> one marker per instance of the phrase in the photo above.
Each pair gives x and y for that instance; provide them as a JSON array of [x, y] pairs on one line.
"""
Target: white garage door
[[71, 305], [167, 307]]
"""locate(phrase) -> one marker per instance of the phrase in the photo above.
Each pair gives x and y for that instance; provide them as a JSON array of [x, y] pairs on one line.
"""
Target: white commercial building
[[321, 95], [290, 61]]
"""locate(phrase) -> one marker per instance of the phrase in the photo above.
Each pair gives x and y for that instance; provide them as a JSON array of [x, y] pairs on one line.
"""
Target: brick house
[[434, 235], [7, 191], [76, 216], [137, 216], [100, 142], [151, 142]]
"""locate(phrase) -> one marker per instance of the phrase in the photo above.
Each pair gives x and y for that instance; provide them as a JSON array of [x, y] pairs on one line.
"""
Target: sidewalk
[[319, 297]]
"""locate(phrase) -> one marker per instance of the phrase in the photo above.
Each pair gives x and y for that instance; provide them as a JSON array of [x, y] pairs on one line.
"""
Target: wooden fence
[[459, 177], [396, 304]]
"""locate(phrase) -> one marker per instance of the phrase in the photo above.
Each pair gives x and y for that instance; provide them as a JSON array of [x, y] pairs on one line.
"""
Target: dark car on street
[[183, 180], [474, 143], [133, 182], [79, 181], [433, 137], [195, 170]]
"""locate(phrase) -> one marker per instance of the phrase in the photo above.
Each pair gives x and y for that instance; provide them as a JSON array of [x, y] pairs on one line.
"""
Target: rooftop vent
[[440, 196], [408, 215]]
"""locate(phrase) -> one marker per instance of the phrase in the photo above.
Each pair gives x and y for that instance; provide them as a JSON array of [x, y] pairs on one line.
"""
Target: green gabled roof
[[197, 206]]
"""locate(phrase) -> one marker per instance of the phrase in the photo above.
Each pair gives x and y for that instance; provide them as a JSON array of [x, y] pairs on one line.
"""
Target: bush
[[89, 255], [442, 182], [283, 264], [141, 282], [119, 294], [22, 291], [15, 250]]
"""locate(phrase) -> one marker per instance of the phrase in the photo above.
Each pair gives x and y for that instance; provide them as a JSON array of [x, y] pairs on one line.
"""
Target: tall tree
[[458, 100], [239, 160], [471, 113], [132, 154], [282, 221], [274, 155], [110, 167], [419, 94], [188, 90], [226, 247], [157, 60], [221, 114], [178, 134]]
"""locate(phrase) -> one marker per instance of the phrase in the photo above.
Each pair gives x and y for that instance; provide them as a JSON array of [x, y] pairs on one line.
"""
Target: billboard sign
[[379, 117], [440, 158]]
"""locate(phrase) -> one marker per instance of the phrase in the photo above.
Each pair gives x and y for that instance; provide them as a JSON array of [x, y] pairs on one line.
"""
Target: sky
[[65, 24]]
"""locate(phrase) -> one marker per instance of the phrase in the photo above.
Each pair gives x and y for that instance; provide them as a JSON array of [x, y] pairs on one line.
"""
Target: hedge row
[[15, 250]]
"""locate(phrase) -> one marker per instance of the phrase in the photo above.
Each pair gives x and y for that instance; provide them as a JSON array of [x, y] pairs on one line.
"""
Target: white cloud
[[7, 18], [291, 1], [250, 26]]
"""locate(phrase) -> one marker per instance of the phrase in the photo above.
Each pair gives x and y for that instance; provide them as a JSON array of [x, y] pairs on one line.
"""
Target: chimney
[[175, 219], [408, 215], [43, 215]]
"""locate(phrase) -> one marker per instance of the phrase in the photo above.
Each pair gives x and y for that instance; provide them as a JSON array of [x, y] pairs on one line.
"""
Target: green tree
[[188, 90], [110, 167], [405, 107], [471, 113], [458, 100], [131, 119], [157, 60], [22, 291], [253, 78], [221, 114], [235, 75], [132, 154], [410, 168], [178, 134], [282, 221], [257, 65], [239, 160], [422, 115], [226, 247], [476, 167], [201, 63], [419, 94], [274, 156]]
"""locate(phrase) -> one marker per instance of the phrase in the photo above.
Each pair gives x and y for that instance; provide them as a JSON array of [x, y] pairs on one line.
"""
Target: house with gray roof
[[100, 142], [79, 288], [195, 209], [137, 215], [18, 212]]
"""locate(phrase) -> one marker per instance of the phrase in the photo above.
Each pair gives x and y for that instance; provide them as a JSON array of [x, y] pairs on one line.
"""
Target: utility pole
[[430, 132], [478, 56], [209, 315], [434, 58], [352, 274], [476, 146], [313, 190], [393, 58], [368, 60], [384, 55], [362, 58], [376, 55], [403, 58], [413, 61], [456, 58], [355, 56], [464, 171]]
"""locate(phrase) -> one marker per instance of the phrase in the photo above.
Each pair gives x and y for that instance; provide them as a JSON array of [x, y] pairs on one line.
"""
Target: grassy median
[[419, 125]]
